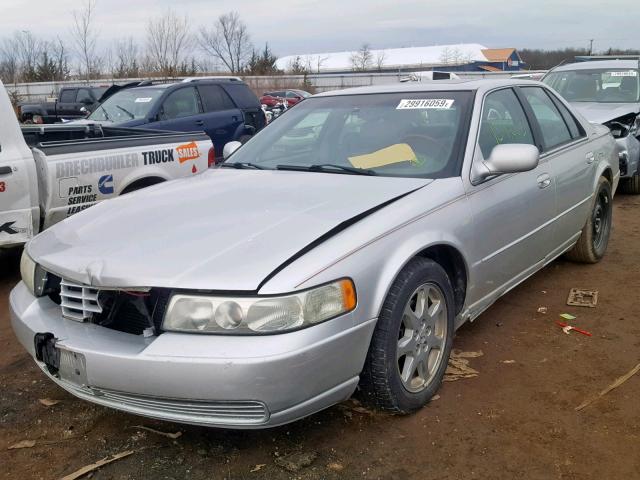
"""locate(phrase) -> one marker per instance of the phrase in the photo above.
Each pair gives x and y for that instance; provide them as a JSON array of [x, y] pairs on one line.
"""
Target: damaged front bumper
[[629, 156], [213, 380]]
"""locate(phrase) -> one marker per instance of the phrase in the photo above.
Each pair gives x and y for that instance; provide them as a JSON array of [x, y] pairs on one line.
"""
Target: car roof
[[208, 81], [431, 86], [597, 65]]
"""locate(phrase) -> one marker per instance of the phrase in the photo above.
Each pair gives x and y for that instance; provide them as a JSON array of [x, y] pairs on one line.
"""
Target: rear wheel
[[594, 239], [412, 341]]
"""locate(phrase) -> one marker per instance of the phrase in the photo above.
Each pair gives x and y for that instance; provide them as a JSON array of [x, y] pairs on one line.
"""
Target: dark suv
[[226, 109]]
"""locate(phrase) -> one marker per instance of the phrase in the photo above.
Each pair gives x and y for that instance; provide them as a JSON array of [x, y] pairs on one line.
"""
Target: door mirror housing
[[229, 148], [506, 158]]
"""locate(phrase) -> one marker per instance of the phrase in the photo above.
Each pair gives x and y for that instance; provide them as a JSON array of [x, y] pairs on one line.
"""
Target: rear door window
[[214, 98], [242, 95], [503, 121], [180, 103], [553, 127], [68, 95], [84, 95]]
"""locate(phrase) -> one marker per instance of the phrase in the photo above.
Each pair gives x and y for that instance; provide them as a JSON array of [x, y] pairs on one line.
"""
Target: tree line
[[170, 48], [173, 47]]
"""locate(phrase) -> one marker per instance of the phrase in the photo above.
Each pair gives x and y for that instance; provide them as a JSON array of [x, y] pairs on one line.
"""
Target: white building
[[469, 56]]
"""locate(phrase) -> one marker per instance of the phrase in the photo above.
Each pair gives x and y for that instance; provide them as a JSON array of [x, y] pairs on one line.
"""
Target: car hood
[[603, 112], [222, 230]]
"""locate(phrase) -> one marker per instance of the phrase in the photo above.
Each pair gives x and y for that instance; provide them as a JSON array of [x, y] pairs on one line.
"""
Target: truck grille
[[78, 302]]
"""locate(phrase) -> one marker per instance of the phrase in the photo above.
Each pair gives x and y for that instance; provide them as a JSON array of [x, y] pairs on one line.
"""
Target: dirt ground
[[515, 419]]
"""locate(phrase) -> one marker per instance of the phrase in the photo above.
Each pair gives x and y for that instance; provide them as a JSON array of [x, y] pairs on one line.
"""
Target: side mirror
[[229, 148], [507, 158]]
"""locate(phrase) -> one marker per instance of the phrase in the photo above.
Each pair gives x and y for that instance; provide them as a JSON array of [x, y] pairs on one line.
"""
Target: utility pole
[[591, 47]]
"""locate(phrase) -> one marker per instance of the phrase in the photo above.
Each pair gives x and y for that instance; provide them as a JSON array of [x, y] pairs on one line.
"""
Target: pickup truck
[[48, 173], [72, 103]]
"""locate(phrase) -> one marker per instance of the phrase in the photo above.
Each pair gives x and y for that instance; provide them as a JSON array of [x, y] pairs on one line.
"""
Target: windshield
[[597, 85], [407, 135], [127, 105]]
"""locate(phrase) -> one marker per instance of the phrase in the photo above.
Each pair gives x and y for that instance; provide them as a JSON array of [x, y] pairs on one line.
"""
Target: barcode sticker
[[420, 103], [628, 73]]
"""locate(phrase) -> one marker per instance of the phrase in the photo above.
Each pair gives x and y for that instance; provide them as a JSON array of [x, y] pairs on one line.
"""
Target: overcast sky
[[312, 26]]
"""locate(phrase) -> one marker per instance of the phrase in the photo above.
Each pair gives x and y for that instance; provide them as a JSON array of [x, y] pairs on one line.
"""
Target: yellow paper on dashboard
[[400, 152]]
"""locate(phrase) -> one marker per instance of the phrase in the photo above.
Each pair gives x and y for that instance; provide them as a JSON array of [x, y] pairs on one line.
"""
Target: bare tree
[[445, 56], [9, 62], [320, 61], [126, 63], [296, 66], [380, 59], [168, 40], [228, 41], [362, 59], [85, 38]]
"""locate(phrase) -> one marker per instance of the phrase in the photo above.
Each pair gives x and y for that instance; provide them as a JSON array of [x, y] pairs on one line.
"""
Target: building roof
[[498, 54], [393, 57]]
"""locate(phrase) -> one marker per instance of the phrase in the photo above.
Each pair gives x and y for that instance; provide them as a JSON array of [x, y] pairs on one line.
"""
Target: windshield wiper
[[241, 165], [106, 115], [327, 168], [126, 111]]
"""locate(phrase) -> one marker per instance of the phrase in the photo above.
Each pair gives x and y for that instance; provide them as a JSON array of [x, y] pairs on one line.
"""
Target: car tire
[[409, 328], [630, 185], [594, 239]]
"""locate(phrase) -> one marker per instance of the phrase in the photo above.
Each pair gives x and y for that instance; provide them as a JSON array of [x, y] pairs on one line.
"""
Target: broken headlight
[[626, 125], [33, 275], [256, 315]]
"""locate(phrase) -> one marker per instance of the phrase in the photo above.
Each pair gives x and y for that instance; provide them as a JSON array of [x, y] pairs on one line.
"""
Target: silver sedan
[[340, 247]]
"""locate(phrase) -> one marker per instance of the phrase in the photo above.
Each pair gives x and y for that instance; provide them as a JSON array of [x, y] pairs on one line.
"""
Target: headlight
[[33, 275], [251, 315]]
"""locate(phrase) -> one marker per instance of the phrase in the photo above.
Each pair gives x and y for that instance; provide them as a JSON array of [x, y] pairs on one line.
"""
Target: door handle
[[5, 170], [199, 122], [544, 180]]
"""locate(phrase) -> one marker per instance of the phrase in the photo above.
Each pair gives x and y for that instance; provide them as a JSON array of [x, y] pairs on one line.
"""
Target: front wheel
[[594, 239], [412, 341]]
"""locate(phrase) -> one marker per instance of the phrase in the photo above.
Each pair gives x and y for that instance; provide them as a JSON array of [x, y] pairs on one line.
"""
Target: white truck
[[48, 173]]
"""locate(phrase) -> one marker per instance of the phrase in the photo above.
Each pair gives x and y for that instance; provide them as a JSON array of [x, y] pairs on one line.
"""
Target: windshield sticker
[[421, 103], [628, 73], [143, 100]]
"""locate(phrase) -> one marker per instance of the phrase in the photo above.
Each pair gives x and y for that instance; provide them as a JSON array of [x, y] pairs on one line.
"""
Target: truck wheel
[[594, 239], [630, 185], [412, 341]]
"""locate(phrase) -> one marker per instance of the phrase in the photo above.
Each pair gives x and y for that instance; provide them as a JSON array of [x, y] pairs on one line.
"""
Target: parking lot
[[516, 418]]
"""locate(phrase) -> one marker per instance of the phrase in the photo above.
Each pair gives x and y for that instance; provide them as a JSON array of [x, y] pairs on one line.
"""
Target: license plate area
[[64, 364]]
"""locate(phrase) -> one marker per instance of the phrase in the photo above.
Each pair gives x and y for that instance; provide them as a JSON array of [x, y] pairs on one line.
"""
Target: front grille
[[78, 302]]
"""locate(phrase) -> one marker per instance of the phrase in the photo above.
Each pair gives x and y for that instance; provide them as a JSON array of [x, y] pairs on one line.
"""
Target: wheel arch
[[453, 263], [142, 183]]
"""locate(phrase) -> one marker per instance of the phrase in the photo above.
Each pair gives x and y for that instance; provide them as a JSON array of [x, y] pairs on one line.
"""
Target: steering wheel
[[425, 144]]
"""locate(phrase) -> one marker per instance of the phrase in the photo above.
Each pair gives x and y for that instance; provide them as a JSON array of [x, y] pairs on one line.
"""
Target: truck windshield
[[597, 85], [127, 105], [417, 134]]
